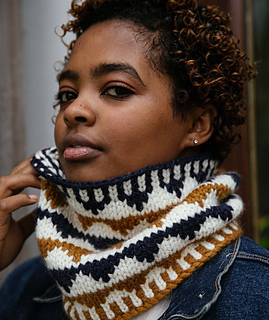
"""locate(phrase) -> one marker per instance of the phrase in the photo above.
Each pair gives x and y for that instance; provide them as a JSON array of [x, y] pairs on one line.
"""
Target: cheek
[[133, 124], [138, 130], [58, 131]]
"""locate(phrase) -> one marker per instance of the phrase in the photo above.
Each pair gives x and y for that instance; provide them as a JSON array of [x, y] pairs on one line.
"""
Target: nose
[[79, 113]]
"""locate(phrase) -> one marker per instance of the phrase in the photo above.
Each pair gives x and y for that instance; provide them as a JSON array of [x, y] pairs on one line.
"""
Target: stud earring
[[195, 141]]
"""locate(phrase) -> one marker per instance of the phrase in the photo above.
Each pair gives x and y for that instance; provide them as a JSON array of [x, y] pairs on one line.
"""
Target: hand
[[14, 233]]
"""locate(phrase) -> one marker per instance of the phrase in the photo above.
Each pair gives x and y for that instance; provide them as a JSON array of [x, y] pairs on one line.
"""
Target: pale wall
[[41, 49]]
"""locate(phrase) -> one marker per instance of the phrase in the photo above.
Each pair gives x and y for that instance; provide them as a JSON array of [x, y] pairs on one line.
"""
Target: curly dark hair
[[191, 43]]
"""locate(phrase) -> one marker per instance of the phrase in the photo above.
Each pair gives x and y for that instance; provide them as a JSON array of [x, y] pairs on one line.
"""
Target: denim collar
[[194, 297]]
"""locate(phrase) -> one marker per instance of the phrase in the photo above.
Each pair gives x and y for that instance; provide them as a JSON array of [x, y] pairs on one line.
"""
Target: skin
[[14, 233], [117, 112], [130, 130]]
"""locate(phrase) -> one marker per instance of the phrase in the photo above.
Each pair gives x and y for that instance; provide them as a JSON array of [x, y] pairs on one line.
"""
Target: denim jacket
[[232, 286]]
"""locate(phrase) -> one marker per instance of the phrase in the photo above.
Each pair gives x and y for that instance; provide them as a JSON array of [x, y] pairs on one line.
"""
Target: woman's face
[[116, 113]]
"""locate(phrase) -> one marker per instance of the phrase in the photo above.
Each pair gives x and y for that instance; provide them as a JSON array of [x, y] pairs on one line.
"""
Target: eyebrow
[[107, 68], [101, 70], [67, 74]]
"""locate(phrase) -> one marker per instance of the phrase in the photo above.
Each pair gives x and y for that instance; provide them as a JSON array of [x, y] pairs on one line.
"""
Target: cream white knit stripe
[[158, 199], [120, 209], [129, 267], [53, 259], [133, 267], [56, 235], [211, 225], [46, 230], [69, 214], [186, 167], [154, 276], [101, 230], [105, 230], [49, 157], [224, 179], [117, 296], [82, 309]]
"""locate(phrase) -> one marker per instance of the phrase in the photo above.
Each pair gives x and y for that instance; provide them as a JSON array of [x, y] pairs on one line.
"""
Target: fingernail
[[33, 197]]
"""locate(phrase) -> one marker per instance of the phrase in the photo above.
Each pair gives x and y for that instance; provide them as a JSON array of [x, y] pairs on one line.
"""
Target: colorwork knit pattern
[[117, 247]]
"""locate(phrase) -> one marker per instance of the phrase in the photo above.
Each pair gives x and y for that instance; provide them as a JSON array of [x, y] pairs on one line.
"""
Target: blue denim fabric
[[30, 293], [232, 286]]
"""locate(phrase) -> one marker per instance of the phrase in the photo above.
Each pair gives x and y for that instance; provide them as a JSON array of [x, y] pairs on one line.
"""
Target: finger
[[8, 205], [13, 184], [12, 236]]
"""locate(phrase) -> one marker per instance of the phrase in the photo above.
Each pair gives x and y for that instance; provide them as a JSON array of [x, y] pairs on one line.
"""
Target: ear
[[201, 125]]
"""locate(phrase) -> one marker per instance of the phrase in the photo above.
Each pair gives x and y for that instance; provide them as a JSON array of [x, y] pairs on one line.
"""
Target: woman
[[133, 220]]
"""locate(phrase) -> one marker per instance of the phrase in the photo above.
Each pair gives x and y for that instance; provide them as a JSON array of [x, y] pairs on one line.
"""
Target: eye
[[66, 96], [118, 92]]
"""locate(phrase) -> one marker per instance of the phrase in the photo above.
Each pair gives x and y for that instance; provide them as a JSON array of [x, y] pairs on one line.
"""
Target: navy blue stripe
[[43, 170], [66, 229], [142, 250]]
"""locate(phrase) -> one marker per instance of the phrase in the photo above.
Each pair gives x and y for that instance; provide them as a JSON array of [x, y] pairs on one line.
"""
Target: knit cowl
[[117, 247]]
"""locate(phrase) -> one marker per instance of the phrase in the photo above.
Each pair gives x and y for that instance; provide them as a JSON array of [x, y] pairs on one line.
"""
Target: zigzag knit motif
[[119, 246]]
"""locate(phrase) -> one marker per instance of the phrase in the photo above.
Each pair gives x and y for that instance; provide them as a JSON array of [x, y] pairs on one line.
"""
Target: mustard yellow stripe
[[199, 194], [47, 245], [96, 299], [124, 225]]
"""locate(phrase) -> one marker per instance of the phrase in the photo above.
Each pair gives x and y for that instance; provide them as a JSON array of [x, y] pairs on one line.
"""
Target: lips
[[77, 148]]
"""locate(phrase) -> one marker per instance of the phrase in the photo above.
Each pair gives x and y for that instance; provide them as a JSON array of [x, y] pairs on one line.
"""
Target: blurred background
[[250, 23], [31, 51]]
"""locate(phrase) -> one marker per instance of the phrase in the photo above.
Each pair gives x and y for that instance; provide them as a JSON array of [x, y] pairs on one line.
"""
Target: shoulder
[[250, 250], [232, 285], [30, 293], [245, 292], [249, 274], [252, 266]]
